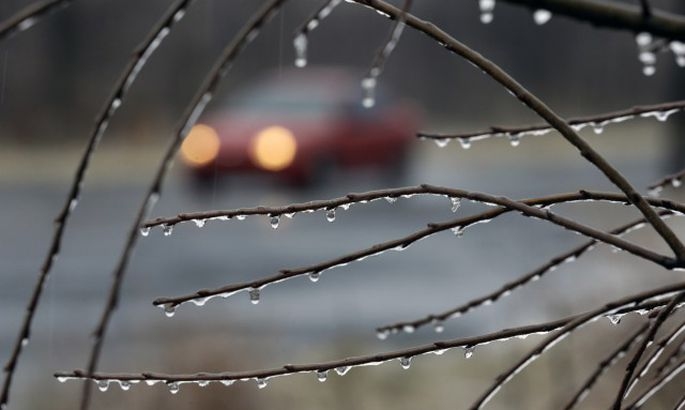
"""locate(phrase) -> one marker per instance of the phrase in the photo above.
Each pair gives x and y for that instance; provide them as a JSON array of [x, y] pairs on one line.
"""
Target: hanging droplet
[[274, 220], [24, 341], [391, 199], [227, 382], [468, 352], [330, 215], [439, 327], [167, 229], [240, 217], [261, 382], [465, 143], [125, 385], [408, 328], [456, 203], [614, 319], [441, 142], [649, 70], [369, 90], [145, 230], [676, 182], [405, 362], [173, 387], [203, 383], [103, 385], [200, 222], [322, 375], [300, 43], [382, 334], [514, 140], [254, 295], [541, 16], [597, 128], [458, 231], [314, 276], [169, 310], [643, 39], [486, 9], [342, 370]]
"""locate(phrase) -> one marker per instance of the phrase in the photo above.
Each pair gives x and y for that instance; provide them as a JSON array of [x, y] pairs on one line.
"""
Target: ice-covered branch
[[27, 17], [675, 180], [301, 39], [140, 56], [526, 207], [655, 387], [249, 31], [545, 112], [605, 365], [610, 308], [341, 367], [438, 319], [598, 122]]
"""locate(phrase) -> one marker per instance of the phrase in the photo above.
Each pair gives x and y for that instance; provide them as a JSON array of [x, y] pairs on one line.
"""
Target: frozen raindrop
[[274, 220], [541, 16], [468, 351], [342, 370], [465, 143], [125, 385], [405, 362], [369, 90], [169, 310], [173, 387], [103, 385], [167, 229], [382, 334], [321, 375], [300, 44], [145, 230], [314, 276], [330, 215], [514, 140], [456, 203], [261, 382], [200, 222], [486, 9], [597, 128], [442, 142], [254, 295]]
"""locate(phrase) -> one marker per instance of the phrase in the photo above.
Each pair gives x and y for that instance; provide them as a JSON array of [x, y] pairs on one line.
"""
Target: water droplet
[[441, 142], [369, 91], [649, 70], [254, 295], [514, 140], [24, 341], [103, 385], [167, 229], [486, 9], [240, 217], [439, 327], [261, 382], [314, 276], [676, 182], [200, 222], [274, 220], [458, 231], [614, 319], [125, 385], [227, 382], [643, 39], [456, 203], [405, 362], [321, 375], [62, 379], [173, 387], [468, 351], [465, 143], [169, 310], [408, 328], [391, 199], [179, 15], [647, 57], [300, 43], [73, 204], [145, 230], [203, 383], [541, 16], [342, 370], [330, 215], [382, 334], [598, 128]]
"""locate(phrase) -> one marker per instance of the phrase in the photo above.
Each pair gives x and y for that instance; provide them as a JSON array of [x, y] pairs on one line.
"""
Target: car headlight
[[273, 148], [201, 146]]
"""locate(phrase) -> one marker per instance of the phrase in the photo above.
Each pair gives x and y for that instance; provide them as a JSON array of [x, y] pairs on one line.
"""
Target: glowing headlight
[[201, 146], [273, 148]]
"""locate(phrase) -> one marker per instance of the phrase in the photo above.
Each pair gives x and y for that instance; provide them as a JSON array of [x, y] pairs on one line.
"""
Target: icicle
[[300, 44]]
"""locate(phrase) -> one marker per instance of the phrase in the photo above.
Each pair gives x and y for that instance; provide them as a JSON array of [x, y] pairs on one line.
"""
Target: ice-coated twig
[[675, 180], [680, 405], [439, 318], [660, 111], [300, 42], [344, 365], [670, 358], [655, 354], [614, 15], [655, 387], [581, 320], [605, 365], [29, 16], [140, 56], [649, 338], [545, 112], [189, 118], [202, 296]]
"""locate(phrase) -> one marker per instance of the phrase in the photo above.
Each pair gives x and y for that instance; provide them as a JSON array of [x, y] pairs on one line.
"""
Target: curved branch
[[194, 110], [29, 16], [655, 387], [140, 56], [525, 207]]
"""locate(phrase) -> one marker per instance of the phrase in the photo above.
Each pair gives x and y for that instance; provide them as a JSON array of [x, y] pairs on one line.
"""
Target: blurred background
[[55, 77]]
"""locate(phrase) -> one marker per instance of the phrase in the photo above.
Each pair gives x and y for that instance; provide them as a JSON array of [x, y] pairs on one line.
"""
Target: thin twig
[[675, 180], [649, 338], [344, 365], [159, 31], [556, 337], [202, 296], [194, 110], [29, 16], [680, 405], [605, 365], [660, 111], [655, 386], [438, 318]]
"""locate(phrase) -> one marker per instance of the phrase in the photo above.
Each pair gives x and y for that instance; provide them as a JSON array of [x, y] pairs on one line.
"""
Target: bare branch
[[344, 365], [192, 113], [613, 15], [598, 121], [525, 207], [158, 33], [438, 319], [29, 16]]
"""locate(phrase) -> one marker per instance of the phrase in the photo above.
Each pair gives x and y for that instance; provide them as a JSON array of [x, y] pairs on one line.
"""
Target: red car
[[299, 125]]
